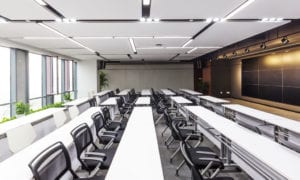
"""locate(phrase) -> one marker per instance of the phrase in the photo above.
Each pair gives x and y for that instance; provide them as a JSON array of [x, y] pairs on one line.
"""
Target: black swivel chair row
[[54, 162]]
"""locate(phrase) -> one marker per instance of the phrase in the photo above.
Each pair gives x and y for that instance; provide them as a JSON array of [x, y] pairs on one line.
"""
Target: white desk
[[124, 92], [190, 92], [213, 102], [267, 156], [146, 92], [137, 156], [167, 92], [82, 103], [16, 167], [142, 101], [180, 100], [112, 101], [32, 118], [284, 130], [103, 95]]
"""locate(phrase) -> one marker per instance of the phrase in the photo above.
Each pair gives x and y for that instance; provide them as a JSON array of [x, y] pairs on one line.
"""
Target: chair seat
[[186, 132], [114, 124], [108, 159]]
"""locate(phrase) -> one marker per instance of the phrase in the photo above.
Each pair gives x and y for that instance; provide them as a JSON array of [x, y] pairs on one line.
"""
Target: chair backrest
[[83, 138], [175, 128], [106, 114], [52, 163], [74, 112], [20, 137], [98, 121], [92, 102], [111, 93], [59, 118], [117, 90], [120, 102]]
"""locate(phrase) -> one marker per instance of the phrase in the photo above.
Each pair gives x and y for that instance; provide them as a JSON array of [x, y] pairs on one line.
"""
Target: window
[[5, 82], [35, 81]]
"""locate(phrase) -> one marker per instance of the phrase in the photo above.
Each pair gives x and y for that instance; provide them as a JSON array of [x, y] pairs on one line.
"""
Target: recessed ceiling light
[[247, 50], [279, 19], [146, 2], [272, 19], [2, 20], [285, 40], [156, 19], [58, 20], [142, 19], [216, 19], [209, 20], [263, 46], [73, 20], [149, 20], [41, 2]]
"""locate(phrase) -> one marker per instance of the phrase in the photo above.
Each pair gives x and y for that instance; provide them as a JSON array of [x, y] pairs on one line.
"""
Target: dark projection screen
[[272, 78]]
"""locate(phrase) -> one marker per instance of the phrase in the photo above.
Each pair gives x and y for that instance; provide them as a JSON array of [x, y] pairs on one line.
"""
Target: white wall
[[86, 77], [155, 76]]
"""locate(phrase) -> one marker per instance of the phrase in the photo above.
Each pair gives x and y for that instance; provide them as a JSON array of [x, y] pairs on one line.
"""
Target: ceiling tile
[[192, 9], [24, 10], [47, 43], [162, 51], [98, 9], [87, 57]]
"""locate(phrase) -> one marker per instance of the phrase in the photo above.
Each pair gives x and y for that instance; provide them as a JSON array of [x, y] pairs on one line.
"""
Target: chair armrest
[[95, 154], [108, 135], [206, 152], [92, 158], [112, 132]]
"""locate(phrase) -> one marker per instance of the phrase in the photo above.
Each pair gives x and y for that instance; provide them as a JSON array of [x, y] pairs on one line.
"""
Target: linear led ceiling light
[[2, 20], [132, 45], [66, 37], [187, 43], [192, 50], [146, 2], [241, 7], [41, 2]]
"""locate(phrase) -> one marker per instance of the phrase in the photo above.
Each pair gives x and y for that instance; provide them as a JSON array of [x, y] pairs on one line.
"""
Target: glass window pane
[[35, 75], [55, 75], [71, 75], [57, 98], [67, 76], [49, 75], [5, 75], [59, 75], [4, 111], [35, 104]]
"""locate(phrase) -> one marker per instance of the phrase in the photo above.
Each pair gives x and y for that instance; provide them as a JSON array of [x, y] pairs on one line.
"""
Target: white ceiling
[[98, 35], [192, 9]]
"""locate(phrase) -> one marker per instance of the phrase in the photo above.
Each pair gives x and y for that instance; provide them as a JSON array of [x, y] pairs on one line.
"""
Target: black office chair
[[124, 109], [117, 91], [104, 136], [90, 158], [53, 163], [208, 162], [111, 125], [93, 102]]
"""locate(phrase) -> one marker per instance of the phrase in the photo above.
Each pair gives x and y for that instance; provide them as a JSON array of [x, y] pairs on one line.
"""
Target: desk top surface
[[102, 93], [191, 92], [167, 92], [267, 117], [181, 100], [77, 102], [146, 92], [124, 92], [16, 166], [137, 156], [214, 99], [28, 119], [109, 102], [143, 101], [276, 156]]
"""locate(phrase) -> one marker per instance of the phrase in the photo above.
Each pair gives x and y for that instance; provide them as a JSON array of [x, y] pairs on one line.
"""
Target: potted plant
[[22, 109], [203, 86], [67, 97], [103, 80]]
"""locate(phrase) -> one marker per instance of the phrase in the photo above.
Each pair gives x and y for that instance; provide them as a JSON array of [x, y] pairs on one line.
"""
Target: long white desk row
[[16, 167], [167, 92], [259, 156], [81, 103], [41, 123], [189, 92], [137, 156]]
